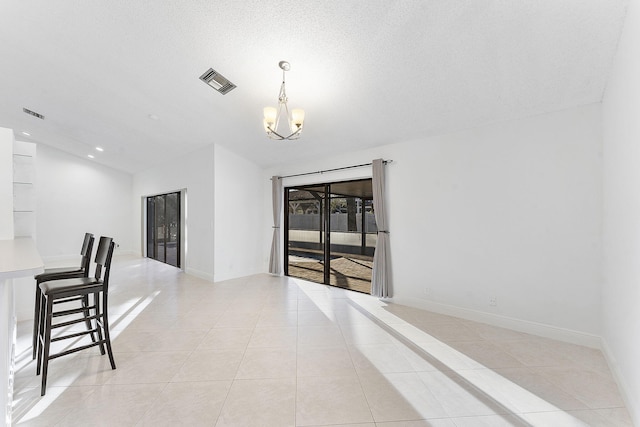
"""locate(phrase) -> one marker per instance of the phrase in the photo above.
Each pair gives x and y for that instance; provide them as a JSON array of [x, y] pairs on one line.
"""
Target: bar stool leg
[[99, 321], [107, 335], [46, 346], [36, 320], [40, 336]]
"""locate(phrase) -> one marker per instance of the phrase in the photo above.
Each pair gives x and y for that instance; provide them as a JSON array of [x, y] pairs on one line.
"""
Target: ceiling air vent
[[33, 113], [217, 81]]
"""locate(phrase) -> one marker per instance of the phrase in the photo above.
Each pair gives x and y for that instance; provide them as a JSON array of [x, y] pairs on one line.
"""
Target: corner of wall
[[633, 405]]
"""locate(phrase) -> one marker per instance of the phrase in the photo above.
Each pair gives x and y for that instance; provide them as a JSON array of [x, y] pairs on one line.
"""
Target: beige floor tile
[[355, 425], [458, 397], [487, 354], [268, 403], [249, 306], [320, 336], [238, 319], [502, 393], [492, 421], [379, 358], [534, 381], [210, 365], [331, 400], [71, 370], [148, 367], [146, 320], [536, 352], [450, 332], [216, 338], [592, 388], [618, 417], [316, 318], [273, 337], [352, 315], [440, 422], [494, 333], [187, 404], [277, 319], [162, 340], [420, 360], [198, 320], [267, 351], [30, 409], [400, 396], [126, 405], [365, 333], [259, 363], [553, 419], [315, 361]]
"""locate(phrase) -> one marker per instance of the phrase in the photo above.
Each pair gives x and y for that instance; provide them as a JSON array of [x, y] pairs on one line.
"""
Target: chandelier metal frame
[[295, 119]]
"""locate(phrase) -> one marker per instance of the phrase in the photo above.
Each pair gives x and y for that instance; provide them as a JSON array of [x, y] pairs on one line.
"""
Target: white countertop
[[18, 258]]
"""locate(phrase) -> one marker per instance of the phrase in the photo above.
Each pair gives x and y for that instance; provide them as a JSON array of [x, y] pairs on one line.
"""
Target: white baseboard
[[526, 326], [200, 274]]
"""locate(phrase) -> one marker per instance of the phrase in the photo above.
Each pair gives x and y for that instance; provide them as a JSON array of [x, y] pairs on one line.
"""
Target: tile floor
[[276, 351]]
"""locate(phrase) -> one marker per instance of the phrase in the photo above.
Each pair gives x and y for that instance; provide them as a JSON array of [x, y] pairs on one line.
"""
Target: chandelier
[[273, 115]]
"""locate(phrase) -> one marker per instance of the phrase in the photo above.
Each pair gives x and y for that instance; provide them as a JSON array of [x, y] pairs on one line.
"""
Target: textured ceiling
[[366, 72]]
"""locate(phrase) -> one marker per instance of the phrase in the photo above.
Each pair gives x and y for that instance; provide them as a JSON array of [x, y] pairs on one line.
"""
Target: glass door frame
[[180, 230], [325, 222]]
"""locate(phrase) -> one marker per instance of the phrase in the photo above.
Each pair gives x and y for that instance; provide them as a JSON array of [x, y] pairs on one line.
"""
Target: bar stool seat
[[71, 286], [57, 274]]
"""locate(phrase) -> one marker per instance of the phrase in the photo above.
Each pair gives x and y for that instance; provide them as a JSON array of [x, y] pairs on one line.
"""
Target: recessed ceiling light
[[99, 149], [26, 133], [91, 156]]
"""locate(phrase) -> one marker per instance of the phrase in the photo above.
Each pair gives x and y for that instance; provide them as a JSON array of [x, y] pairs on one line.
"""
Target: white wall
[[621, 293], [195, 173], [511, 211], [239, 216], [224, 210], [6, 184], [75, 196]]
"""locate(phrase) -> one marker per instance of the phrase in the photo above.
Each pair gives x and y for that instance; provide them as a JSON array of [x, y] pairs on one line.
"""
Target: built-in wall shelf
[[24, 192]]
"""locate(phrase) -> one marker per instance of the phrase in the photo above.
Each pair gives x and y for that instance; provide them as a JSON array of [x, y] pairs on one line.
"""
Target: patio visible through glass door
[[331, 234]]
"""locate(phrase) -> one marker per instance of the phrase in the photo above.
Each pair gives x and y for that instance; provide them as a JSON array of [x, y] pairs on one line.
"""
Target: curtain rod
[[333, 170]]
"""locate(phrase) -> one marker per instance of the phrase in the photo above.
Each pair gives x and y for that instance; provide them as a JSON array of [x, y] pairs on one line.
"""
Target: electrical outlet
[[426, 290], [493, 301]]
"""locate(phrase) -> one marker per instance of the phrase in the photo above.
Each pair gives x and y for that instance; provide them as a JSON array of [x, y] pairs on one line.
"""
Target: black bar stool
[[61, 273], [61, 290]]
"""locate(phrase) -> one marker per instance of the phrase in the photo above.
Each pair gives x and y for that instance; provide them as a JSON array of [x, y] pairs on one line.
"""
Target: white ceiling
[[366, 72]]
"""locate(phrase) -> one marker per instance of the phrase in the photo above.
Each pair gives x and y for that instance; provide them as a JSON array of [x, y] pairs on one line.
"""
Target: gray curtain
[[276, 195], [381, 278]]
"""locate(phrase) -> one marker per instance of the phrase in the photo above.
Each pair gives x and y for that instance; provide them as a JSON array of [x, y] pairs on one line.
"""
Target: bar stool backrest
[[104, 253], [87, 248]]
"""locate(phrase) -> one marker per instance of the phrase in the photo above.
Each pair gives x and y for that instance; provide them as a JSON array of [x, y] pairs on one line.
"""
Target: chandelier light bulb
[[297, 119]]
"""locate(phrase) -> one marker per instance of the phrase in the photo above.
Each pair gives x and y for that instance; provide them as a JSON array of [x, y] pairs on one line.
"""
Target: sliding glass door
[[331, 234], [163, 228]]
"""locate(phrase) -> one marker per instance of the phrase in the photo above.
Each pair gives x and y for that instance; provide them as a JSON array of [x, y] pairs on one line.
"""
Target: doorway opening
[[330, 234], [163, 228]]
